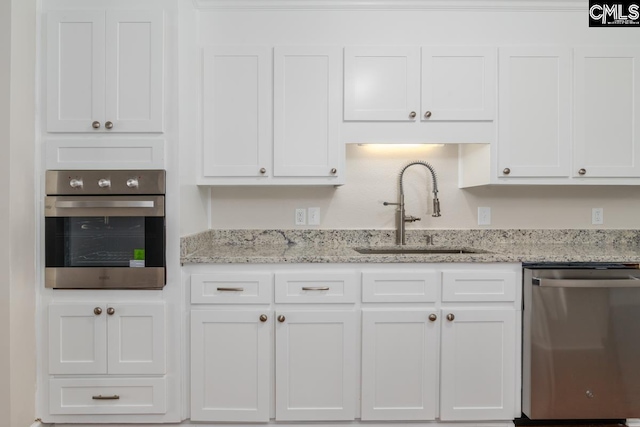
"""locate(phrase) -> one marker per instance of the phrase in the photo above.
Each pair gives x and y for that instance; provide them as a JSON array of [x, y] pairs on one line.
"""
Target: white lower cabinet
[[436, 343], [477, 366], [452, 357], [241, 354], [87, 338], [106, 359], [230, 365], [315, 365], [399, 364]]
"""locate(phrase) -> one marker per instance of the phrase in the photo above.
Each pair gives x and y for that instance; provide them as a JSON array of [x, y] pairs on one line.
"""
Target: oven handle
[[628, 282], [64, 204]]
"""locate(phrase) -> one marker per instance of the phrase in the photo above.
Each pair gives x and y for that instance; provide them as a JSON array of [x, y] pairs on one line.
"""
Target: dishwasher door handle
[[626, 282]]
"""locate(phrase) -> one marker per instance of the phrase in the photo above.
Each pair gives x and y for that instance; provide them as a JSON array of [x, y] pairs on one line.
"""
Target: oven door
[[104, 242]]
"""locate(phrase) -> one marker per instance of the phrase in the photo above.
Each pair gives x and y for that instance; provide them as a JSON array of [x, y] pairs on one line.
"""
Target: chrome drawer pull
[[101, 397], [231, 289], [315, 288]]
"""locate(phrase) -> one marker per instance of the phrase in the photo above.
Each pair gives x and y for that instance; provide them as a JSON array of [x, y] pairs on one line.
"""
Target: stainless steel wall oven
[[105, 229]]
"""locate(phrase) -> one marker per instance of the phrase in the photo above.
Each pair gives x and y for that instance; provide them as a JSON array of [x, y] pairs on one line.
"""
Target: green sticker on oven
[[138, 254]]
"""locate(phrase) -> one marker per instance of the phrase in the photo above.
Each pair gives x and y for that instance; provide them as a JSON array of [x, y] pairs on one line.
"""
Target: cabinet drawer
[[230, 288], [409, 286], [107, 396], [478, 286], [316, 287]]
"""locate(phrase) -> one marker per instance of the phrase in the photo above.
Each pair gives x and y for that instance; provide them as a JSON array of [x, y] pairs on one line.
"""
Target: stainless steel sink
[[435, 250]]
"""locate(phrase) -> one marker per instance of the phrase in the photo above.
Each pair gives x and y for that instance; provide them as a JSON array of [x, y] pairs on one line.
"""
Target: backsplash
[[372, 178]]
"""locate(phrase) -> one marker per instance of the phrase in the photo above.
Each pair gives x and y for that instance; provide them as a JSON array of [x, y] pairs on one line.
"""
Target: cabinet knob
[[412, 115], [281, 318], [582, 171], [433, 317], [97, 311], [110, 311], [506, 171], [263, 171], [263, 318], [108, 125], [334, 171], [427, 114], [450, 317], [95, 125]]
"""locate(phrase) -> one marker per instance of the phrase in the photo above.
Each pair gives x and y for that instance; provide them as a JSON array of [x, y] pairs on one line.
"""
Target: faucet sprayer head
[[436, 207]]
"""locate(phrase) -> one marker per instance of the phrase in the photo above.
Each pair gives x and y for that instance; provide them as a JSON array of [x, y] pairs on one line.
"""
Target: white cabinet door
[[478, 359], [382, 83], [315, 365], [77, 339], [230, 365], [458, 83], [534, 112], [399, 365], [236, 112], [75, 70], [307, 102], [607, 106], [106, 339], [134, 70], [136, 338], [105, 71]]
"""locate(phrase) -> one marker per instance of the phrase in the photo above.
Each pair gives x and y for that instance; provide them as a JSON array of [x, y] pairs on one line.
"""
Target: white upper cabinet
[[607, 106], [458, 83], [236, 94], [535, 112], [400, 84], [271, 119], [105, 71], [306, 103], [382, 83], [408, 94]]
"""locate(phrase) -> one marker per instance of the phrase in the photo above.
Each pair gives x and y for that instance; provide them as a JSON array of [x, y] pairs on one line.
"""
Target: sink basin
[[399, 250]]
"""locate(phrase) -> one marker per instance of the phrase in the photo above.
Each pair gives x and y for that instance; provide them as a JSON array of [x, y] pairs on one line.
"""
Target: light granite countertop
[[337, 246]]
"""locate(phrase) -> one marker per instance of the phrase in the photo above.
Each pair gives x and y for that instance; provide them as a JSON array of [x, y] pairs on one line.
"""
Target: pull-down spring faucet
[[401, 218]]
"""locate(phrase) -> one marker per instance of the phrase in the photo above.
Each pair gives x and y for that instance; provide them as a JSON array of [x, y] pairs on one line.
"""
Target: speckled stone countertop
[[337, 246]]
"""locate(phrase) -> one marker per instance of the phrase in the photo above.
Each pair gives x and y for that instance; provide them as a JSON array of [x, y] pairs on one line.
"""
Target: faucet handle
[[411, 218], [390, 204]]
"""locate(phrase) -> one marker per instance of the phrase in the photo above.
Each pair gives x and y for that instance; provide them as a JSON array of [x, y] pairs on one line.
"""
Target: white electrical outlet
[[314, 216], [484, 216], [301, 216], [597, 216]]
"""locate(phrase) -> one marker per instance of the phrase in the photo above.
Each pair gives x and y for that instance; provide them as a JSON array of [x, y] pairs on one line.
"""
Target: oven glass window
[[104, 241]]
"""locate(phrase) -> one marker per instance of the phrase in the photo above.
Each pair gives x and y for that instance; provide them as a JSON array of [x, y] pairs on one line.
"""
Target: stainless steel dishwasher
[[581, 341]]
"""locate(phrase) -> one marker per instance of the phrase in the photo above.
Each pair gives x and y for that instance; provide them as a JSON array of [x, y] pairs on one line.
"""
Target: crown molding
[[391, 5]]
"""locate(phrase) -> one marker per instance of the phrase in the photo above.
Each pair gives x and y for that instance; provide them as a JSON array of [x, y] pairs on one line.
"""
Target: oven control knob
[[75, 183], [104, 183], [132, 183]]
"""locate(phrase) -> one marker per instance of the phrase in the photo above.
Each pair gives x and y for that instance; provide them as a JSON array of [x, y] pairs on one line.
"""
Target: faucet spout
[[401, 217]]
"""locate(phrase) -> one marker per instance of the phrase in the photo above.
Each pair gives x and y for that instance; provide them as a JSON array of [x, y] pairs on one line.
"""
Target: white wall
[[371, 172], [17, 213], [372, 176], [5, 246]]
